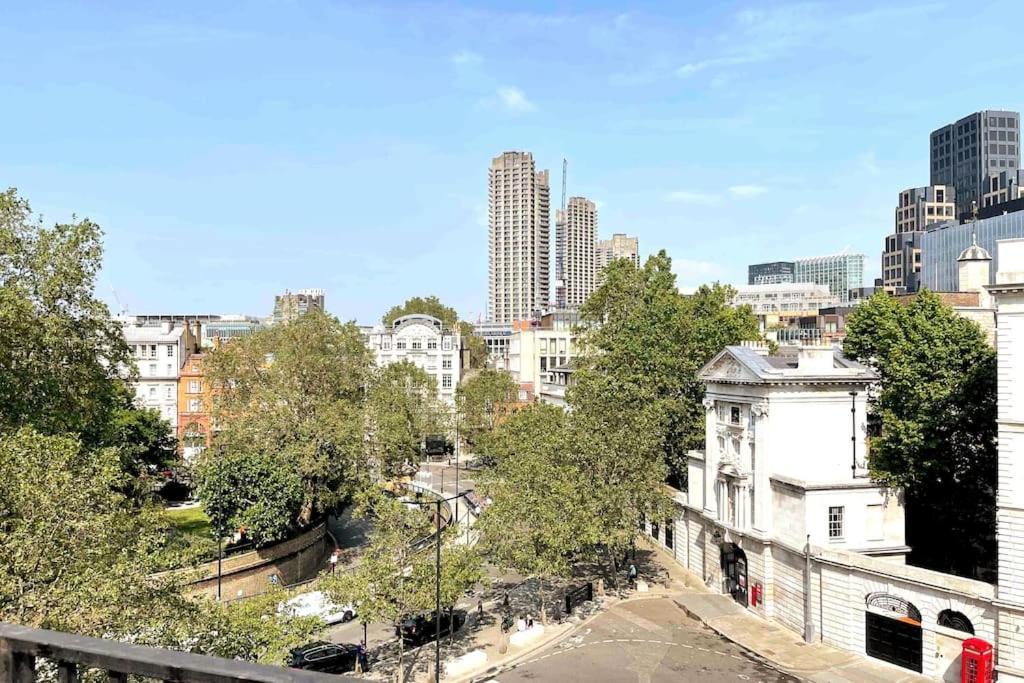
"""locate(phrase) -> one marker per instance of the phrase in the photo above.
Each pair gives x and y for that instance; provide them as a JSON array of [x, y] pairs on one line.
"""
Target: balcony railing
[[20, 647]]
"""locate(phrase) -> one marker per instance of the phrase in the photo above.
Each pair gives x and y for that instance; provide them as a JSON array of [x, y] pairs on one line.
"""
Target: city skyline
[[241, 146]]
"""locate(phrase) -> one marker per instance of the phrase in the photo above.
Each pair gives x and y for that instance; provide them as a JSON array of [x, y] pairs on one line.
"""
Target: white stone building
[[756, 479], [1008, 292], [159, 351], [423, 341]]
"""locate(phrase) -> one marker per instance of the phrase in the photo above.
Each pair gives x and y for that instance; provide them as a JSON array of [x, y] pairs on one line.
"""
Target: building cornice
[[803, 486]]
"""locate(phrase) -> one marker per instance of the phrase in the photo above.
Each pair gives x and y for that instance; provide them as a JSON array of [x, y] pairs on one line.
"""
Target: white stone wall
[[840, 583]]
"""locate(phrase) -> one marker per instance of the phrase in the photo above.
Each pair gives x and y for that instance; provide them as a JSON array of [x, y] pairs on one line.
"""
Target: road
[[643, 641]]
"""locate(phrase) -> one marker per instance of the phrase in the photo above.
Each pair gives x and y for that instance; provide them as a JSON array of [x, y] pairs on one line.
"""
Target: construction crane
[[565, 167]]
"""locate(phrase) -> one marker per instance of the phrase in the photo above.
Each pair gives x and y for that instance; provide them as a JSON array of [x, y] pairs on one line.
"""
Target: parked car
[[422, 628], [437, 445], [323, 656], [317, 604]]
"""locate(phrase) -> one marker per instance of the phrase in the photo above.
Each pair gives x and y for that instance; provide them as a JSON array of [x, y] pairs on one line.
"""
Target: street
[[647, 641]]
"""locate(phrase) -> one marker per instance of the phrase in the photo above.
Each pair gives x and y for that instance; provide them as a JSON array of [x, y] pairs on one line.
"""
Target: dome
[[974, 252]]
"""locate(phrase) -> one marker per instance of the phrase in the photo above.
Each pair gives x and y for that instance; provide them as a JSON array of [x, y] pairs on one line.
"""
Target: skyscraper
[[575, 243], [518, 242], [966, 153], [918, 208], [773, 273], [619, 246]]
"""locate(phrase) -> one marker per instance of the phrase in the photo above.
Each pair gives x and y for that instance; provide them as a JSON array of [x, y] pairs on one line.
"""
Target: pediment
[[729, 369]]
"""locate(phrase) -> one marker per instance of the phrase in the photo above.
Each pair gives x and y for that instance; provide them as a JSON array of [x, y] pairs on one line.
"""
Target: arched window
[[890, 603], [957, 621]]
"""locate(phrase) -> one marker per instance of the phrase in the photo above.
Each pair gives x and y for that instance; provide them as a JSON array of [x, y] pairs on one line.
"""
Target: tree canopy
[[403, 409], [289, 404], [642, 344], [937, 406], [430, 305], [483, 399]]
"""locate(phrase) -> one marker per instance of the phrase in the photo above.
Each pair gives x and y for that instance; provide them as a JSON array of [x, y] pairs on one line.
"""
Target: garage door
[[896, 640]]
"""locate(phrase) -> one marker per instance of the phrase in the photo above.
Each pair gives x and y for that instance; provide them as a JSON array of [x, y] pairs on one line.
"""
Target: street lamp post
[[437, 579]]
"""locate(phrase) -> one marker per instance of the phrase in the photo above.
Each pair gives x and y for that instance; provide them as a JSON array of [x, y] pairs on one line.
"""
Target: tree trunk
[[615, 570]]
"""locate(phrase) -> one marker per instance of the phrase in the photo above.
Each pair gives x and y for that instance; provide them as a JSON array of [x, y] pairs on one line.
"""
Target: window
[[152, 369], [152, 350], [152, 392], [734, 415], [835, 521], [957, 621], [170, 351], [447, 344], [170, 369], [446, 364], [193, 405], [400, 344], [446, 381], [169, 393], [432, 344], [417, 343], [193, 386], [386, 344], [543, 345], [669, 534]]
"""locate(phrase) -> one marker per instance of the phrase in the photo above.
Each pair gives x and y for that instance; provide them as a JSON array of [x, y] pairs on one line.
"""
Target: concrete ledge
[[473, 659], [526, 637]]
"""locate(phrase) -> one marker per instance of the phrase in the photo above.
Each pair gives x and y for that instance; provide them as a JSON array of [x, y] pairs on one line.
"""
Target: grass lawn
[[189, 521]]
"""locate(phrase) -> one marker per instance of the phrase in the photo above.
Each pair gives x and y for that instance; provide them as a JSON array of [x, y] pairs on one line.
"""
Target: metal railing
[[21, 646]]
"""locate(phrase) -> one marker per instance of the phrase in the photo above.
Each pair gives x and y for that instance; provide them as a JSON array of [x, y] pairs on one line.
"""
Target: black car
[[332, 658], [422, 628]]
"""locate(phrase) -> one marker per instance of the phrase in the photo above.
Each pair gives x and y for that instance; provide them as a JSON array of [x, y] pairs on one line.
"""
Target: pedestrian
[[359, 658], [632, 575], [480, 608], [529, 621], [334, 560], [504, 602]]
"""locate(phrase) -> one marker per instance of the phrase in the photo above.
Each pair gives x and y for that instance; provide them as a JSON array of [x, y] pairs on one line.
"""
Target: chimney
[[815, 359], [166, 327], [760, 347]]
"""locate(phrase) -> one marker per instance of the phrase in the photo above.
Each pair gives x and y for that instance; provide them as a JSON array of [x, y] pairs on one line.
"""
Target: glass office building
[[840, 272], [942, 246]]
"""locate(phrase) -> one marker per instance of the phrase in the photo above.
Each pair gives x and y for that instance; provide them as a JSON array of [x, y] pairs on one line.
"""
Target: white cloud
[[746, 191], [691, 68], [466, 57], [693, 197], [514, 100]]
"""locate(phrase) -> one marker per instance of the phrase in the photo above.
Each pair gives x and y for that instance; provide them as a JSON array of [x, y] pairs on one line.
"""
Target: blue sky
[[232, 150]]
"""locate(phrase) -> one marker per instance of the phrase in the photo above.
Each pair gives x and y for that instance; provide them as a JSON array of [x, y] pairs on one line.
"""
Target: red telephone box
[[756, 594], [976, 661]]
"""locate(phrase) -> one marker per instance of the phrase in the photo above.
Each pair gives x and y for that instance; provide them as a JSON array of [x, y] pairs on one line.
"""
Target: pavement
[[776, 645]]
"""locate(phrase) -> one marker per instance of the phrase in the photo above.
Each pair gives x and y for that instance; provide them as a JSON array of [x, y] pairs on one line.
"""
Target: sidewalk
[[776, 645]]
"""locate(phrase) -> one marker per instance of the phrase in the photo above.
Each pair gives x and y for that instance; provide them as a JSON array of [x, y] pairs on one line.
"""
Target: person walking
[[632, 575], [480, 609]]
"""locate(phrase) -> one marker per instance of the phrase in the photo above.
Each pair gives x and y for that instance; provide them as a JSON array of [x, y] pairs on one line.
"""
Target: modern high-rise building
[[1002, 187], [917, 208], [774, 273], [519, 238], [291, 305], [841, 272], [965, 154], [619, 246], [575, 245]]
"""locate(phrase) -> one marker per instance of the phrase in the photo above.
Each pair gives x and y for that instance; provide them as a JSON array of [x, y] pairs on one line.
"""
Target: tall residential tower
[[576, 255], [518, 242], [619, 246]]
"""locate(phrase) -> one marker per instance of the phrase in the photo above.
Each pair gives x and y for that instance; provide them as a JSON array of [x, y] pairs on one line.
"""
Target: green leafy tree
[[542, 522], [290, 399], [474, 345], [483, 400], [75, 552], [395, 577], [402, 410], [643, 344], [59, 349], [937, 406], [430, 305]]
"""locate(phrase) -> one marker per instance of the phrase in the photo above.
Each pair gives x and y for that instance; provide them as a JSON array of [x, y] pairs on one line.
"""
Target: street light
[[437, 577]]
